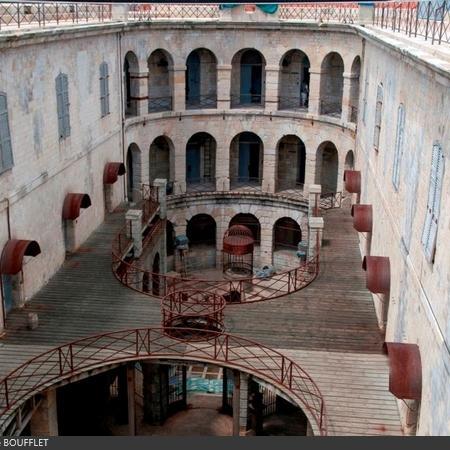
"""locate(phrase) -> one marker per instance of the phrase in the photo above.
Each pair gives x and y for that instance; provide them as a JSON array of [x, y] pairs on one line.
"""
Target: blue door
[[7, 292], [244, 161], [246, 84], [193, 164]]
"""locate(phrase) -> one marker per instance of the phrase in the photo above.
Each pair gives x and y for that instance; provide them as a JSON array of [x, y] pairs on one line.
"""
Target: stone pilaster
[[44, 421], [161, 184], [266, 244], [314, 191], [223, 86], [222, 167], [269, 170], [314, 91], [179, 88], [139, 89], [315, 230], [271, 95], [135, 216], [346, 96]]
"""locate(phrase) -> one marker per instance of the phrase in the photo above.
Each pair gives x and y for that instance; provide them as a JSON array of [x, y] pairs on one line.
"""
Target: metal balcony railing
[[293, 103], [202, 184], [247, 101], [159, 104], [202, 102]]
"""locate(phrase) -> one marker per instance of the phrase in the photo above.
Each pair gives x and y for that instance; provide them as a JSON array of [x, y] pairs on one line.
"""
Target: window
[[379, 105], [6, 156], [62, 104], [434, 198], [104, 89], [398, 146]]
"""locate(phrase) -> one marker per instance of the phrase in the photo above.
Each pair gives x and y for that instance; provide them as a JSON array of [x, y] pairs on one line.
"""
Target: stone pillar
[[179, 88], [269, 169], [266, 244], [315, 230], [44, 421], [221, 228], [180, 169], [236, 403], [223, 86], [139, 88], [70, 235], [314, 191], [222, 167], [346, 97], [161, 184], [243, 406], [131, 388], [135, 216], [314, 91], [155, 385], [310, 170], [272, 76]]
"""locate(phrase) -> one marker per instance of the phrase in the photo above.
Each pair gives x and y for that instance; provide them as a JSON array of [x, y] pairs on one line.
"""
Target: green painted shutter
[[6, 156], [398, 147]]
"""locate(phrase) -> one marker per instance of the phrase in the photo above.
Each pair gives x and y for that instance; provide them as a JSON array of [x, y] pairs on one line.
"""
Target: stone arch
[[354, 89], [349, 160], [327, 166], [201, 79], [331, 84], [160, 81], [248, 78], [293, 86], [201, 161], [131, 83], [162, 159], [133, 170], [286, 233], [250, 221], [201, 229], [291, 163]]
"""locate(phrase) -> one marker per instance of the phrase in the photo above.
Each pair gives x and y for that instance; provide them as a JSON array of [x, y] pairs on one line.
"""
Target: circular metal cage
[[238, 246], [200, 312]]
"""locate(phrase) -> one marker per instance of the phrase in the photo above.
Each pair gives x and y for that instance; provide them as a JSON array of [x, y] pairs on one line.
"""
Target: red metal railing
[[430, 20], [68, 360]]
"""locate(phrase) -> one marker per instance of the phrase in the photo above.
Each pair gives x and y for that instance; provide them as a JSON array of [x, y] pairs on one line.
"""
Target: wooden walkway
[[329, 328]]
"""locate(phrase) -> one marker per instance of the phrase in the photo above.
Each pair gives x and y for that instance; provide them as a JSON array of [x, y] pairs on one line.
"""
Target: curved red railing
[[66, 361]]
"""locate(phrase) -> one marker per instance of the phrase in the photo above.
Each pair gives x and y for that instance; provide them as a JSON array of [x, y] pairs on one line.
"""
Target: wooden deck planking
[[329, 328]]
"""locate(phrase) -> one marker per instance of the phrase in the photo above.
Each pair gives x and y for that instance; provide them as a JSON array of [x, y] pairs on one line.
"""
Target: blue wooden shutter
[[6, 156], [104, 89], [430, 228], [398, 146], [65, 92]]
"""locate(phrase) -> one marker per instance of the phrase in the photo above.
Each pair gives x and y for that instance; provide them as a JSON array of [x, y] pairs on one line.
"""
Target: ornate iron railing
[[321, 12], [94, 352], [147, 11], [429, 19]]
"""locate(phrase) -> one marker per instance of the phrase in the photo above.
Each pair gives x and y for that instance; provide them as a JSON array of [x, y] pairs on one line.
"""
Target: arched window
[[201, 229], [286, 234], [160, 81], [332, 85], [398, 146], [161, 159], [291, 160], [294, 81], [201, 162], [131, 68], [327, 167], [133, 174], [246, 160]]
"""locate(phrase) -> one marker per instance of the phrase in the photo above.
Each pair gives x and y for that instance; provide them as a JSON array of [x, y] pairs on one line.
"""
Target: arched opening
[[251, 222], [349, 160], [286, 238], [201, 162], [131, 70], [246, 160], [161, 161], [155, 275], [201, 79], [327, 167], [291, 162], [294, 81], [170, 238], [247, 79], [331, 85], [201, 233], [354, 89], [133, 174], [160, 81]]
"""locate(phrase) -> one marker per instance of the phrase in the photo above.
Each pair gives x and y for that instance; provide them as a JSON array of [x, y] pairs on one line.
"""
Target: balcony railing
[[203, 184], [245, 183], [430, 20], [353, 115], [247, 101], [329, 108], [293, 103], [321, 12], [159, 104], [202, 102]]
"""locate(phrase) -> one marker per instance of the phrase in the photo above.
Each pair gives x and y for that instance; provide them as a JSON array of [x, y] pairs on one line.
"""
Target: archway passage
[[201, 229], [286, 234], [294, 81], [247, 79], [246, 160], [327, 167], [332, 85], [133, 174], [131, 69], [160, 81], [201, 79], [201, 163], [251, 222], [161, 161], [291, 163]]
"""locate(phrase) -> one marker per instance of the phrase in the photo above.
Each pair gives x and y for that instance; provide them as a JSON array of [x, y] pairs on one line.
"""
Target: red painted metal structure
[[112, 172], [238, 245], [72, 205], [362, 218], [67, 361], [192, 309], [378, 274], [405, 370], [352, 181], [11, 261]]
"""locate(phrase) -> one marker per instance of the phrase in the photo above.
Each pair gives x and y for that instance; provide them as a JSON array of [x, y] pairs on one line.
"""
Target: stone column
[[272, 76], [222, 167], [161, 184], [139, 89], [223, 86], [315, 230], [266, 244], [135, 216], [44, 421], [346, 97], [155, 384], [314, 191], [236, 403], [310, 170], [269, 169], [179, 88], [180, 169], [314, 90], [70, 235], [131, 387], [221, 228]]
